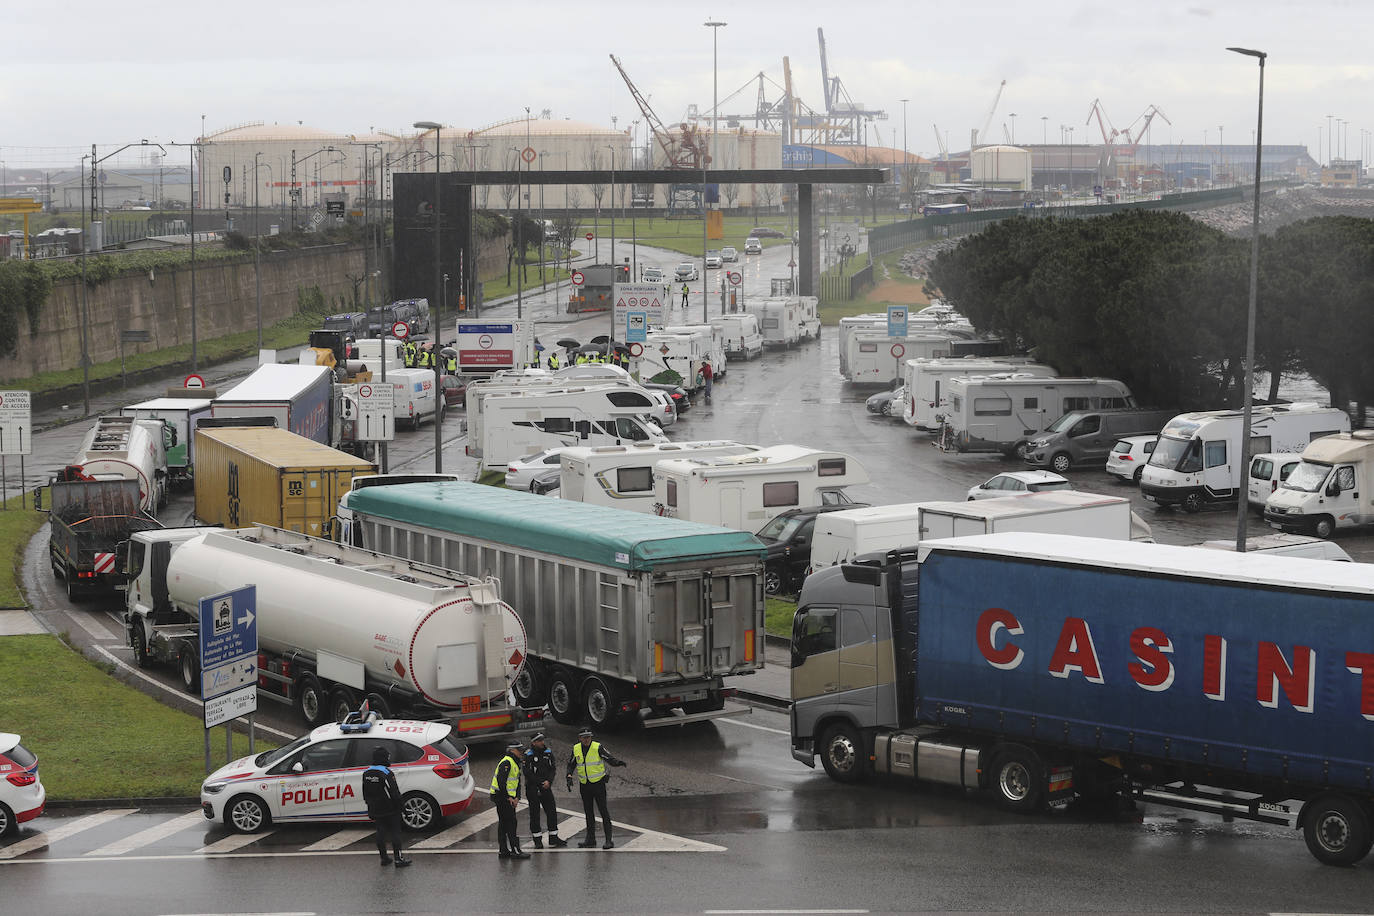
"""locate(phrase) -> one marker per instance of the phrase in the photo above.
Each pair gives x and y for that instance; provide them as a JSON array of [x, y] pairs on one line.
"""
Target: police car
[[21, 794], [320, 777]]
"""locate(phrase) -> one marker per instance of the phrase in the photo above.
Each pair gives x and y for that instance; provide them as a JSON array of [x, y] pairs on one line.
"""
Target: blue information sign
[[636, 327], [228, 641], [896, 320]]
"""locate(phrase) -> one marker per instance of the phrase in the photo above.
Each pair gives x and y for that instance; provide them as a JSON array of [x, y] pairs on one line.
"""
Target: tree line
[[1159, 300]]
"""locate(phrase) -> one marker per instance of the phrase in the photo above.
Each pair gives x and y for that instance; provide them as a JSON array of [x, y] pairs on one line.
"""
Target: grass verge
[[17, 527], [90, 731], [777, 616]]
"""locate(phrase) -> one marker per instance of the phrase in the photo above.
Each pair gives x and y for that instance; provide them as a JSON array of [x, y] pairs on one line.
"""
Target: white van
[[993, 414], [1198, 456], [741, 335], [1267, 471], [746, 491], [414, 395], [927, 383], [523, 422], [1332, 487], [622, 476], [1286, 545]]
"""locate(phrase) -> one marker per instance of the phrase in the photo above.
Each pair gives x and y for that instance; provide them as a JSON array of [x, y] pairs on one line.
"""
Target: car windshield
[[1049, 485], [780, 528], [1063, 423], [268, 758], [1307, 477], [1177, 454]]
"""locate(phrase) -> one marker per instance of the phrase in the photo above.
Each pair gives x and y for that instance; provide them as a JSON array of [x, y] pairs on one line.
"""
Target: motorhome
[[873, 358], [746, 491], [743, 340], [1001, 414], [534, 380], [712, 342], [623, 475], [809, 317], [675, 358], [927, 383], [1332, 488], [779, 321], [520, 422], [938, 319], [1200, 457]]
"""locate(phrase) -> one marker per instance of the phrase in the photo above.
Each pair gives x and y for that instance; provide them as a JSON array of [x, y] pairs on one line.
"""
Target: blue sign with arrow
[[229, 654]]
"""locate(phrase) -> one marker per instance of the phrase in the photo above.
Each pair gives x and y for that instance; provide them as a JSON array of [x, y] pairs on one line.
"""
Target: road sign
[[15, 423], [590, 236], [376, 420], [736, 278], [193, 381], [229, 654], [638, 297], [577, 278], [896, 320], [898, 351], [636, 327], [636, 349], [400, 330], [527, 154]]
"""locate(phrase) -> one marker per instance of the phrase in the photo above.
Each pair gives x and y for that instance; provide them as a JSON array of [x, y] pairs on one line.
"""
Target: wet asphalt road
[[743, 826]]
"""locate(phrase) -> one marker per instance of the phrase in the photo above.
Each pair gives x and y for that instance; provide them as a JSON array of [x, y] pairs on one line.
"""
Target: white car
[[729, 253], [520, 472], [320, 777], [753, 246], [1267, 472], [1128, 457], [1014, 483], [687, 270], [665, 411], [22, 796], [652, 275], [713, 259]]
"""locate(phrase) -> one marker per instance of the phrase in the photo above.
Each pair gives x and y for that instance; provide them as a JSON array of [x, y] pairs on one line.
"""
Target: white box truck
[[622, 476], [1332, 488], [524, 422], [927, 383], [743, 339], [746, 491], [1002, 414], [839, 537], [1198, 458]]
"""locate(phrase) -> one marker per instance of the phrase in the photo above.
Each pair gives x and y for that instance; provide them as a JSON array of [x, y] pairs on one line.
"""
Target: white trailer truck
[[336, 625], [127, 448]]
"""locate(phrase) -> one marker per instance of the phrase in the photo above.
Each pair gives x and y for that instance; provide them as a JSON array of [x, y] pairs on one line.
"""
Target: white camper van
[[679, 353], [532, 380], [873, 358], [808, 317], [927, 383], [999, 414], [1332, 488], [711, 340], [520, 423], [742, 337], [622, 476], [1198, 458], [779, 321], [746, 491]]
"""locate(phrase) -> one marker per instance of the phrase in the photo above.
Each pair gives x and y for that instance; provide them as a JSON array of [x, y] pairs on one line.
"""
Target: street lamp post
[[257, 239], [615, 267], [439, 310], [715, 28], [906, 164], [1247, 380]]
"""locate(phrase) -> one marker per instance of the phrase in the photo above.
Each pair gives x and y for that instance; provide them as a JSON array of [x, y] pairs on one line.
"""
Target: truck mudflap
[[678, 717]]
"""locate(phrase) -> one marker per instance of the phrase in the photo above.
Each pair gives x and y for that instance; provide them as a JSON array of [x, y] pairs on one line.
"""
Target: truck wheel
[[842, 754], [140, 646], [1192, 503], [1337, 830], [563, 696], [189, 666], [72, 594], [342, 701], [418, 811], [1325, 527], [310, 699], [1061, 462], [246, 814], [531, 686], [1018, 779], [772, 580], [600, 703]]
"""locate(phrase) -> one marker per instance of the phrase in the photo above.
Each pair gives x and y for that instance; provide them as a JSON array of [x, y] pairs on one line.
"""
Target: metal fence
[[836, 287]]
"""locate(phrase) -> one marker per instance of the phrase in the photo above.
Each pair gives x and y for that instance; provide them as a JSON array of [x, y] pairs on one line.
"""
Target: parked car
[[1013, 483], [1267, 471], [546, 482], [713, 259], [682, 400], [665, 413], [22, 796], [788, 538], [455, 391], [763, 232], [729, 254], [521, 471], [319, 777], [885, 402], [652, 275], [753, 246], [1129, 456], [687, 270]]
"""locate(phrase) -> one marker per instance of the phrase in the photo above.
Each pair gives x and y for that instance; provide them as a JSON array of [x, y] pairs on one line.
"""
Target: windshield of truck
[[1184, 455], [781, 528], [1063, 423], [1307, 477], [268, 758]]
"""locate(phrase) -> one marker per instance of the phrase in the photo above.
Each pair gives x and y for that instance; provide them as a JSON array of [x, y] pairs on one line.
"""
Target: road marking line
[[459, 832], [782, 912], [751, 783], [762, 728], [151, 834], [62, 831], [462, 850], [94, 627], [233, 841], [671, 840], [338, 840]]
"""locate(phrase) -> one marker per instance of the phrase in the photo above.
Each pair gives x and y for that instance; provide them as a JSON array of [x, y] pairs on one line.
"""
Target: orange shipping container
[[259, 474]]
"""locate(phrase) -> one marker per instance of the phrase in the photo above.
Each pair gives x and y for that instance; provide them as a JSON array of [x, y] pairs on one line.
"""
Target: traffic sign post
[[376, 419], [15, 437], [896, 321], [400, 330], [636, 328], [577, 278], [229, 663], [637, 297], [528, 154]]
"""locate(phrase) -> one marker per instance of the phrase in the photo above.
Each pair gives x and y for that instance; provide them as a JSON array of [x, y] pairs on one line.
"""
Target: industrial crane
[[987, 122], [1104, 123], [686, 152], [844, 118], [1148, 115]]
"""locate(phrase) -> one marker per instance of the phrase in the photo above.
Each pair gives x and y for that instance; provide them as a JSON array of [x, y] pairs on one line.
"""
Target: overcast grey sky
[[112, 73]]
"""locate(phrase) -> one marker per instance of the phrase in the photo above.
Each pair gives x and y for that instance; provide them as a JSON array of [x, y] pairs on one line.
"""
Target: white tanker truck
[[126, 448], [336, 625]]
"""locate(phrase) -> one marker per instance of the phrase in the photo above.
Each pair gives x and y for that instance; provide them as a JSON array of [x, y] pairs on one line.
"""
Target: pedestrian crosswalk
[[116, 833]]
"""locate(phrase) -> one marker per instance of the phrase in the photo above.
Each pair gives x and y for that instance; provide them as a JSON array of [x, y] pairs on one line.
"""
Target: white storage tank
[[1002, 167]]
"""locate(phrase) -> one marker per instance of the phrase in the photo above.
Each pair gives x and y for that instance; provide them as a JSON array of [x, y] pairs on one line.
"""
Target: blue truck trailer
[[1046, 667]]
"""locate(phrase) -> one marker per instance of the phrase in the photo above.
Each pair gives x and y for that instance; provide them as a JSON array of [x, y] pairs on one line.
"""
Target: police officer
[[684, 295], [540, 769], [451, 363], [409, 353], [383, 798], [553, 361], [505, 795], [588, 760]]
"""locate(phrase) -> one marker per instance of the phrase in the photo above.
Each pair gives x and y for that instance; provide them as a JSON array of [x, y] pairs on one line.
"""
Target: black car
[[788, 538], [763, 232], [681, 399]]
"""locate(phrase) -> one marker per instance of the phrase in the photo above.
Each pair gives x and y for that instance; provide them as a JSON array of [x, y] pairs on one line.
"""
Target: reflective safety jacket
[[507, 772]]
